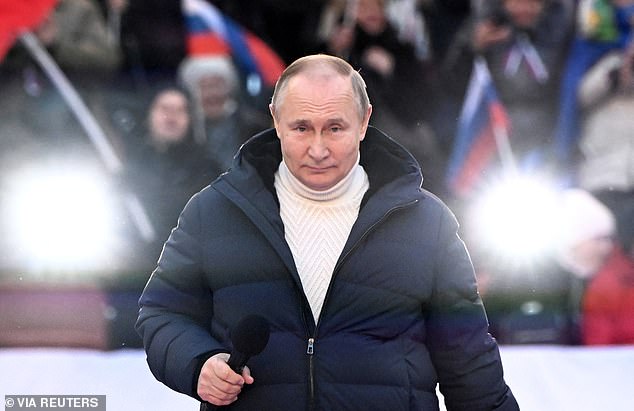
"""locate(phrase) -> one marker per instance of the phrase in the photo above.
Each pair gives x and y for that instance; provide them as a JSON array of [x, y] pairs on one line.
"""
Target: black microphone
[[249, 337]]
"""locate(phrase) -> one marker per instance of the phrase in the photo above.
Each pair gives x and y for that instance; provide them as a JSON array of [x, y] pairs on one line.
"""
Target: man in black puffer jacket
[[321, 227]]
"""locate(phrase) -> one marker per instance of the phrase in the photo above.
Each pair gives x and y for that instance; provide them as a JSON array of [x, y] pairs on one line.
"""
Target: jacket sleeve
[[465, 355], [176, 308]]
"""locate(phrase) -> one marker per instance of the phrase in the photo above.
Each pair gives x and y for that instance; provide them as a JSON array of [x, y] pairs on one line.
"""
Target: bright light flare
[[517, 218], [60, 218]]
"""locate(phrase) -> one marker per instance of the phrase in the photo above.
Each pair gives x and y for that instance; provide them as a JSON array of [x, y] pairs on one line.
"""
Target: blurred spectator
[[222, 121], [151, 36], [77, 36], [607, 147], [540, 302], [606, 96], [606, 166], [601, 27], [164, 166], [586, 231], [524, 43], [114, 11], [608, 303], [398, 79]]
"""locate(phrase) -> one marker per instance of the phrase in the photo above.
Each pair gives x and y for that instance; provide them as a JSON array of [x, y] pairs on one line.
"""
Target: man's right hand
[[218, 384]]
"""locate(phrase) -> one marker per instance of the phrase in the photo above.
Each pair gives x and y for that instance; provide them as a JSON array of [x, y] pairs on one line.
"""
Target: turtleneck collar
[[354, 181]]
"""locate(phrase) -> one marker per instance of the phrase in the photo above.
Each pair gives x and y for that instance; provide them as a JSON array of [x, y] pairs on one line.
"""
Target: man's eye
[[301, 129], [335, 129]]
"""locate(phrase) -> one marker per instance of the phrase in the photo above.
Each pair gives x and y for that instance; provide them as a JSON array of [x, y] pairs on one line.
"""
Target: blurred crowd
[[563, 71]]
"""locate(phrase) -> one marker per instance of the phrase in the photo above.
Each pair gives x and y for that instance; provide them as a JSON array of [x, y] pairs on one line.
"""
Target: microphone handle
[[237, 361]]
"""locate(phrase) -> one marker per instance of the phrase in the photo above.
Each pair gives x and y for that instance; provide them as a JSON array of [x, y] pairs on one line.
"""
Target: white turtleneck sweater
[[317, 225]]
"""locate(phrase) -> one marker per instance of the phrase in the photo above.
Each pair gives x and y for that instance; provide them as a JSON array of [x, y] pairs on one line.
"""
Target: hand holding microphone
[[219, 386]]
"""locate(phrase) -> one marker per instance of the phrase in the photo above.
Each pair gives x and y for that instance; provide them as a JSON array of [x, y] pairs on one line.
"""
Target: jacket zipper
[[311, 377], [310, 349]]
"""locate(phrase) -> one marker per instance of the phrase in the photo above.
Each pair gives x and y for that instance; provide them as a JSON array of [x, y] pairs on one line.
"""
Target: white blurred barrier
[[555, 378], [544, 378]]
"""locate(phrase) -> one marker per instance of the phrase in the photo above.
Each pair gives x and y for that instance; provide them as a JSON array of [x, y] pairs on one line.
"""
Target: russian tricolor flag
[[482, 126], [211, 32]]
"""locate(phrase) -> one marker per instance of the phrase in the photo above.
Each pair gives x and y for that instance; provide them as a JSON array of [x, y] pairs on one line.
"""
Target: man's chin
[[319, 184]]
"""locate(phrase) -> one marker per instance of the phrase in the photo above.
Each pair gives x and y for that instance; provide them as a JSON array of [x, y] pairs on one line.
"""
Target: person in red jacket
[[608, 305]]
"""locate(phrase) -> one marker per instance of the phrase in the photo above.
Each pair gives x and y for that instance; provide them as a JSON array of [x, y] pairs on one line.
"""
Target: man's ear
[[272, 111], [365, 123]]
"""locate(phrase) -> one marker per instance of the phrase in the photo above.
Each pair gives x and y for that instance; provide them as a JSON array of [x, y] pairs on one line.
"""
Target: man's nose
[[318, 148]]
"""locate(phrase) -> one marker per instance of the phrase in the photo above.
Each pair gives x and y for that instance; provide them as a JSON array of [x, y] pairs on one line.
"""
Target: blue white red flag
[[212, 32], [482, 127]]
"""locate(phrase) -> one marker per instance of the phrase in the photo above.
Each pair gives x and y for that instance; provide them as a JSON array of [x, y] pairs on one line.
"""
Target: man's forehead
[[320, 73], [320, 82]]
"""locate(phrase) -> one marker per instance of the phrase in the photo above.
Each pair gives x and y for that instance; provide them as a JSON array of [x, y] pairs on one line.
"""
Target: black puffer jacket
[[402, 312]]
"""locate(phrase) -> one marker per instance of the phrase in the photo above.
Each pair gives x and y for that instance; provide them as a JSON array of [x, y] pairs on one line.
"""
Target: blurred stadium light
[[515, 216], [62, 217]]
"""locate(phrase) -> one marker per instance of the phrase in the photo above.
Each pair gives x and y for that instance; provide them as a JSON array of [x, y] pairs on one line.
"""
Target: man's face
[[319, 127], [215, 91], [371, 16], [524, 13], [592, 253], [169, 117]]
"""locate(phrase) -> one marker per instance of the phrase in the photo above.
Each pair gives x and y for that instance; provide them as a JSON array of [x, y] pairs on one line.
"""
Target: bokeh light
[[514, 216], [60, 216]]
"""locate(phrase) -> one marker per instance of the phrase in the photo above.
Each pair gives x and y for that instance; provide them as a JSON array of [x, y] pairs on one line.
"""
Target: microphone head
[[250, 335]]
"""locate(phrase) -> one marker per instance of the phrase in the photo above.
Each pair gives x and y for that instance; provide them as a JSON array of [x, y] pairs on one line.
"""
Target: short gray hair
[[339, 65]]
